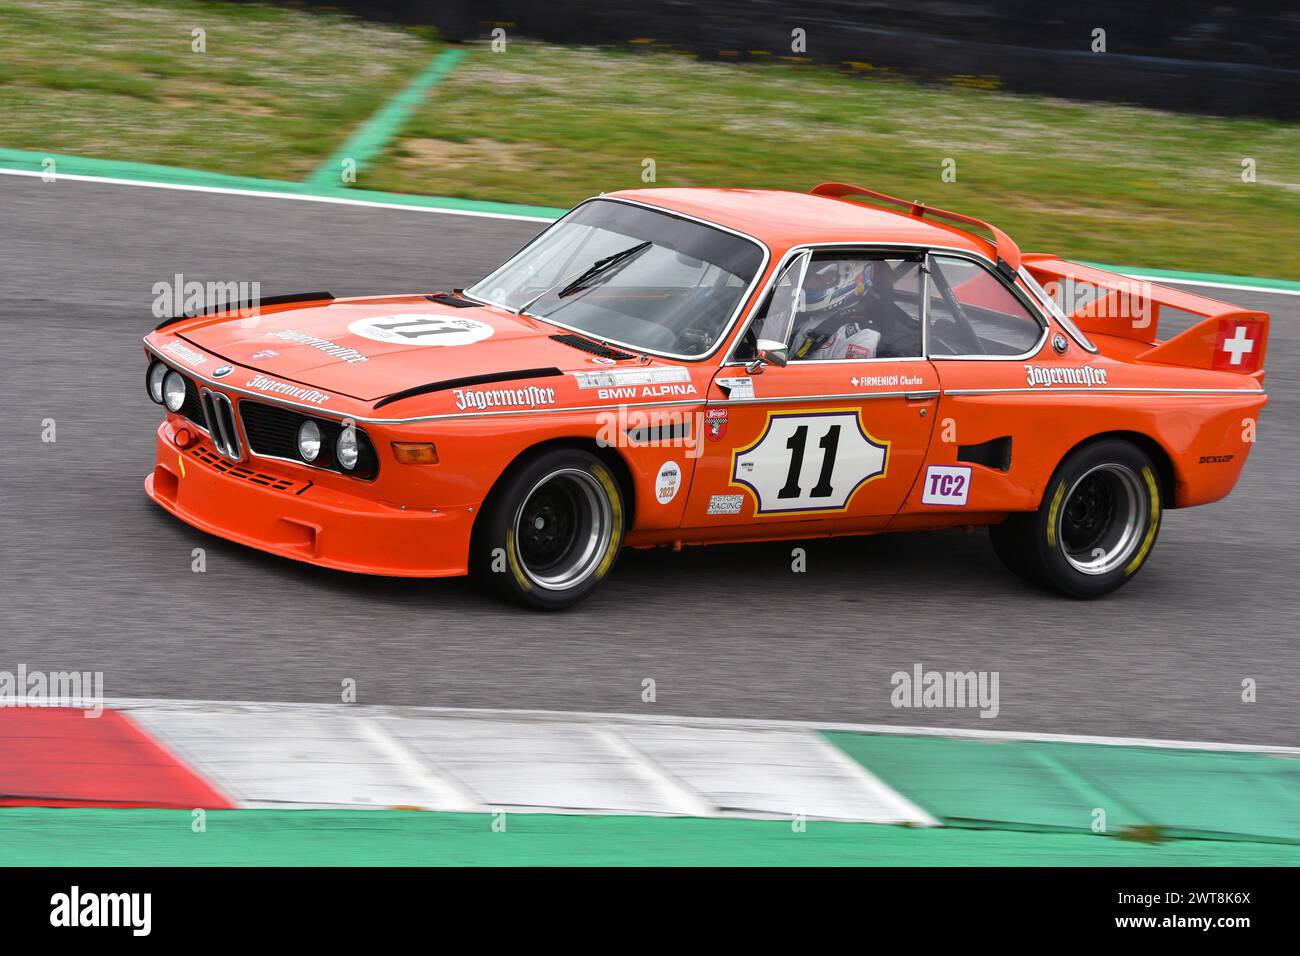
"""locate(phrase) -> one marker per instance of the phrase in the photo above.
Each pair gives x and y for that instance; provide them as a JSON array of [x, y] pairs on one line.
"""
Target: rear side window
[[972, 313]]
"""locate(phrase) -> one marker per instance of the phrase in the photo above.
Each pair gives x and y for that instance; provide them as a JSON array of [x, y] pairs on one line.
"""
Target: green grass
[[274, 93], [278, 90], [552, 125]]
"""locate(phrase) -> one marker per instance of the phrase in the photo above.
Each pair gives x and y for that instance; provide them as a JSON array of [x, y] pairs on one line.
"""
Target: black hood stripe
[[240, 306], [466, 382]]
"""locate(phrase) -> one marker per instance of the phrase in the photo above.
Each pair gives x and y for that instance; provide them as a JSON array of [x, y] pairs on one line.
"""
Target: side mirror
[[770, 352]]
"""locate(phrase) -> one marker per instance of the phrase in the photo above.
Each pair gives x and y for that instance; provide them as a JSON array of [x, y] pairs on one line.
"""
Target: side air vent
[[592, 348], [991, 454]]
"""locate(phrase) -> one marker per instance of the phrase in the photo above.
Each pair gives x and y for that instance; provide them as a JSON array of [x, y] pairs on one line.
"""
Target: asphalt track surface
[[93, 576]]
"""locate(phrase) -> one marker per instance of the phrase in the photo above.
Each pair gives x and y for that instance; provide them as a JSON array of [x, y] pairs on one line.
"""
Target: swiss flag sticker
[[1238, 345]]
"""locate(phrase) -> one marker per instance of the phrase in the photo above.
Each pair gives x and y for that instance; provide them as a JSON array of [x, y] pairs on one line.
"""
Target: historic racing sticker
[[418, 329], [725, 504]]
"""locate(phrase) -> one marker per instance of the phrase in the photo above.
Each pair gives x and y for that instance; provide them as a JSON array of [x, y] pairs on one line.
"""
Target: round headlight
[[157, 371], [309, 440], [346, 448], [173, 390]]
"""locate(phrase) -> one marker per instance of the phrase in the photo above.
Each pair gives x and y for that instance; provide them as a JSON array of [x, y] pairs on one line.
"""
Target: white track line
[[487, 713], [266, 194], [1204, 283]]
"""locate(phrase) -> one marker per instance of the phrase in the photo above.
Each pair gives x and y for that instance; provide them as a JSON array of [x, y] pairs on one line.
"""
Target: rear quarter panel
[[1206, 436]]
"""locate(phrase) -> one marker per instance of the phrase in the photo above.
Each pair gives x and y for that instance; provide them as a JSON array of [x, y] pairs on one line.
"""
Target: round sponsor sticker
[[418, 329], [667, 482]]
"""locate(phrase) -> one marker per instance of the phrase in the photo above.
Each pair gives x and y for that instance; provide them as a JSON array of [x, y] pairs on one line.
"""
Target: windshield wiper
[[593, 270], [602, 265]]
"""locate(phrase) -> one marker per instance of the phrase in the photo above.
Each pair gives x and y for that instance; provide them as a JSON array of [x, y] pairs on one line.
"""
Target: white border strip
[[1205, 283], [266, 194], [489, 713]]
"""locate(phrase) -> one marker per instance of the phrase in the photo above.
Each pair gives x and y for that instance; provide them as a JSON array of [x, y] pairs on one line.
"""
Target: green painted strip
[[1057, 786], [111, 169], [330, 188], [1282, 285], [371, 137], [71, 837]]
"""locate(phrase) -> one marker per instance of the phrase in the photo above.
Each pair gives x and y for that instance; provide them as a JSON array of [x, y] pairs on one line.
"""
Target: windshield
[[629, 275]]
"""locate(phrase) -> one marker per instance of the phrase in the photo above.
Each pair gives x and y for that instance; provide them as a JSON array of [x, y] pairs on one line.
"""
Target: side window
[[972, 313], [856, 306], [772, 320]]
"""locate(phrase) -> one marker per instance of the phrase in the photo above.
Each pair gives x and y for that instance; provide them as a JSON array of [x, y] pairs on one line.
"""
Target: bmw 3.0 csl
[[686, 366]]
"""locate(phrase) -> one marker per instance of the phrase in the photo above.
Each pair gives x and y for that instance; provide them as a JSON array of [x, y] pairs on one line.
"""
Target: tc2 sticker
[[809, 461], [946, 485]]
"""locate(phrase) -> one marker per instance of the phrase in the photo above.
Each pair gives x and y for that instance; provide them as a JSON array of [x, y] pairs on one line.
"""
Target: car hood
[[369, 348]]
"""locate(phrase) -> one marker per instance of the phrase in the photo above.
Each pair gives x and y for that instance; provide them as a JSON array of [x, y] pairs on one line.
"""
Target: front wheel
[[1096, 526], [551, 531]]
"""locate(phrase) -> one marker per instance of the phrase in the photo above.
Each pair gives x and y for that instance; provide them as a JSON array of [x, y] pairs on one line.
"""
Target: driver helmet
[[830, 285]]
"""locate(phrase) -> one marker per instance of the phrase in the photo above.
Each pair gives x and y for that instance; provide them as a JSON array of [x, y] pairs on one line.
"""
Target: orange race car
[[688, 366]]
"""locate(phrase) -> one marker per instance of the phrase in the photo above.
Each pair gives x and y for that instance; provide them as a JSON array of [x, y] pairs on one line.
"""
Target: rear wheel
[[1096, 527], [551, 531]]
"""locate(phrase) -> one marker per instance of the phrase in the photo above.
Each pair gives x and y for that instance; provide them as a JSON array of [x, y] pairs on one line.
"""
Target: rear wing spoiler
[[1227, 338], [1007, 255]]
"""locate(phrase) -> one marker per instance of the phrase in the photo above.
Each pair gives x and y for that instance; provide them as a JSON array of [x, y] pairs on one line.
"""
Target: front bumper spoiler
[[305, 521]]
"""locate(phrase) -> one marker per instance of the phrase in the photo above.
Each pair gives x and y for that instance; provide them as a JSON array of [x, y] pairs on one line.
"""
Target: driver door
[[837, 436]]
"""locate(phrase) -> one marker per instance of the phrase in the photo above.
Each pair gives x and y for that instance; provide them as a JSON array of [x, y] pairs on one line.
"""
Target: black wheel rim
[[1103, 518], [564, 529], [1088, 513], [548, 526]]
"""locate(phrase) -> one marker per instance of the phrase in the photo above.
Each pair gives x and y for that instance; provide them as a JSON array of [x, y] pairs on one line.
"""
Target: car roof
[[782, 218]]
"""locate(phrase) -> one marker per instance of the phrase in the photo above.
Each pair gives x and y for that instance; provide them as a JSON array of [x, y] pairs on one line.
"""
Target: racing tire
[[1096, 526], [551, 530]]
